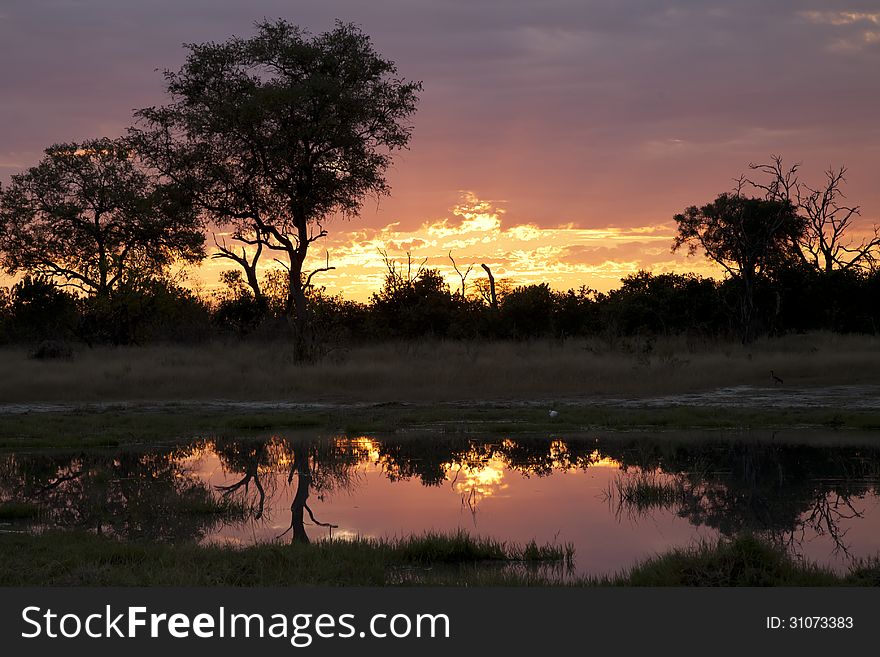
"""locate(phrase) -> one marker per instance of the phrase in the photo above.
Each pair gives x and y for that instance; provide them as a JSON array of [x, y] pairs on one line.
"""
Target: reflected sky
[[564, 507], [564, 504], [617, 500]]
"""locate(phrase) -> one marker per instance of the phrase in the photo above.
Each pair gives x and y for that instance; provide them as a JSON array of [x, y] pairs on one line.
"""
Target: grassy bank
[[745, 561], [113, 428], [170, 393], [81, 559], [429, 371]]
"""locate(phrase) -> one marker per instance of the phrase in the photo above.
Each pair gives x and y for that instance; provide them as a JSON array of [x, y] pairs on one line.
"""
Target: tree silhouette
[[748, 237], [277, 133], [826, 243], [89, 216], [414, 300]]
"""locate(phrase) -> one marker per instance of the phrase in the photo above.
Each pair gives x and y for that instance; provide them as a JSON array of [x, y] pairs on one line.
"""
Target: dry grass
[[441, 371]]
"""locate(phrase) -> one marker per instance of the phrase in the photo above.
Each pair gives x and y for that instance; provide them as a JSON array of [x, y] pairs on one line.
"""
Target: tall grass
[[436, 371], [746, 561], [641, 493]]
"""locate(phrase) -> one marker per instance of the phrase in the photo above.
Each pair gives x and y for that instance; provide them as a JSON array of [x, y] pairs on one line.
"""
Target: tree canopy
[[89, 216], [747, 236], [276, 133]]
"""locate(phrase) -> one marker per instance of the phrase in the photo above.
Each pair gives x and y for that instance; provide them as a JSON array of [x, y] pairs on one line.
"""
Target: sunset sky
[[554, 140]]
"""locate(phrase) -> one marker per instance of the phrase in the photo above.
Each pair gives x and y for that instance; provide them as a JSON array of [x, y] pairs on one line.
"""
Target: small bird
[[775, 378], [554, 414]]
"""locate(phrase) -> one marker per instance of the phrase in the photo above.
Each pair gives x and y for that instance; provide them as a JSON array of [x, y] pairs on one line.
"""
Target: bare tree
[[826, 243], [463, 276], [397, 277], [493, 298], [252, 474]]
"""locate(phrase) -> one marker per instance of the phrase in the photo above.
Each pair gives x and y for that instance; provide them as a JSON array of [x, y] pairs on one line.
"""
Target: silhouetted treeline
[[645, 304]]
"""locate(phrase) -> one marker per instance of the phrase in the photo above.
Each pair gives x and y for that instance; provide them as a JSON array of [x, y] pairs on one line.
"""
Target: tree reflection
[[251, 458], [783, 492], [319, 465], [786, 492], [148, 494]]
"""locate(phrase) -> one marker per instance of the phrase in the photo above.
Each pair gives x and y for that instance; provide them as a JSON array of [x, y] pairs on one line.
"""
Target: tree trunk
[[492, 296], [254, 282], [300, 499], [297, 309], [747, 311]]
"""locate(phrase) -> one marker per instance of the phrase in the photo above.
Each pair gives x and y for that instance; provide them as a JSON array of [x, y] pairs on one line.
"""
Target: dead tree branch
[[463, 276], [493, 297]]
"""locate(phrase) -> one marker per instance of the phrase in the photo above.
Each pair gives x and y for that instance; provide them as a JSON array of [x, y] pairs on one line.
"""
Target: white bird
[[554, 414]]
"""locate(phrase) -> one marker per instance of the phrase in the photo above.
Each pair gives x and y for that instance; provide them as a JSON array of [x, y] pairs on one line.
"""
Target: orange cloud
[[565, 256]]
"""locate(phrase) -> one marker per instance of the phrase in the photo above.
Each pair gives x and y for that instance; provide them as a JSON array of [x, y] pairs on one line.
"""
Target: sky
[[554, 140]]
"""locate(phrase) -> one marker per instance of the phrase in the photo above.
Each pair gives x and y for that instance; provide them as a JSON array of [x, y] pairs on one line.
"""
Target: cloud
[[571, 115], [861, 29], [565, 256], [841, 17], [16, 161]]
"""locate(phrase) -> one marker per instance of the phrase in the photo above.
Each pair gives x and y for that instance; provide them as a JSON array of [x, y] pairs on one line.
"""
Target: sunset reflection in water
[[617, 499], [501, 490]]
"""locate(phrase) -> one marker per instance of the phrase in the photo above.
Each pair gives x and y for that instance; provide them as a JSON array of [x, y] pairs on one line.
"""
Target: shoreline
[[76, 558]]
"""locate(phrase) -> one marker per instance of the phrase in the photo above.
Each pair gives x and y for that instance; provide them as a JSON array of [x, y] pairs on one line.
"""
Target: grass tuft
[[461, 547], [744, 561], [645, 492]]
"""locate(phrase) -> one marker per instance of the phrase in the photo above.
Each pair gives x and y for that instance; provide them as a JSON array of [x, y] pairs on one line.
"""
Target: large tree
[[277, 133], [748, 237], [89, 216]]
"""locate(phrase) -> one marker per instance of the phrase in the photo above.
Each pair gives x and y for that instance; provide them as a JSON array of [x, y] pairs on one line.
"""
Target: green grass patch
[[865, 572], [745, 561], [77, 558], [113, 428], [433, 548], [82, 559], [267, 421], [50, 430]]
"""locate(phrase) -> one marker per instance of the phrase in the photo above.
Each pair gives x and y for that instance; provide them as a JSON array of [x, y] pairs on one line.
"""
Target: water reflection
[[618, 499], [788, 493], [132, 494]]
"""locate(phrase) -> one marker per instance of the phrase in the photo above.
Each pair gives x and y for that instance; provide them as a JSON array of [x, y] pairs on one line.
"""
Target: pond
[[617, 498]]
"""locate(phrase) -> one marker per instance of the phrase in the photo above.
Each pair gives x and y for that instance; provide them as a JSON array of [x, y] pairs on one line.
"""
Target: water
[[617, 498]]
